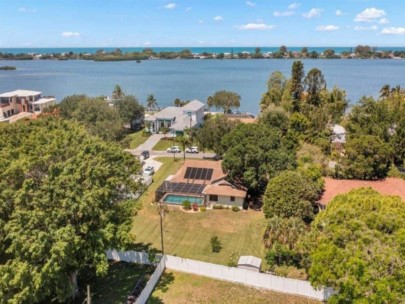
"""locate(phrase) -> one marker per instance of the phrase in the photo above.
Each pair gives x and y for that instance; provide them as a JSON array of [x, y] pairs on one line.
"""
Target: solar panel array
[[181, 188], [198, 173]]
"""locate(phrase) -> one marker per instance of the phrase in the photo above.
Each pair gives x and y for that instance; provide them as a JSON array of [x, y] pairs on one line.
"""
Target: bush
[[195, 207], [215, 244], [203, 209], [146, 133], [281, 255], [235, 208], [233, 260], [218, 207], [186, 205]]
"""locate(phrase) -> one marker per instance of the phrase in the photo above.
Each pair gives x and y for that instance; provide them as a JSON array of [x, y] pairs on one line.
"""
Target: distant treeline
[[361, 51]]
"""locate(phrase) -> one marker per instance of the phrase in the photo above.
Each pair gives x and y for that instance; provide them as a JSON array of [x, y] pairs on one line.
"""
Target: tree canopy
[[255, 153], [129, 108], [64, 200], [290, 194], [225, 100], [95, 114], [357, 246]]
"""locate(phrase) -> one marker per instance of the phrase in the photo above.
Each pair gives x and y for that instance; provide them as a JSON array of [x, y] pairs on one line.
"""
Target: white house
[[177, 118], [15, 102]]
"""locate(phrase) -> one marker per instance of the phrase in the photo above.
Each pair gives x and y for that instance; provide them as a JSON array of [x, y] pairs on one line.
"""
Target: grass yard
[[137, 139], [188, 235], [118, 283], [177, 288], [164, 144]]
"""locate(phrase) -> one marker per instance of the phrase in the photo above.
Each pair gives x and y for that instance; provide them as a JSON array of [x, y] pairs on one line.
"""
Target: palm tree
[[118, 93], [385, 91], [183, 141], [151, 102], [283, 231]]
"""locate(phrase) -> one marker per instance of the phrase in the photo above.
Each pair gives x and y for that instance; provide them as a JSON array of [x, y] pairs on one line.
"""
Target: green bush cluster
[[215, 244], [186, 205]]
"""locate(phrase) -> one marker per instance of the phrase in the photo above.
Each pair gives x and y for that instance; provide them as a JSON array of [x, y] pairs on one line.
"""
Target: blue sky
[[132, 23]]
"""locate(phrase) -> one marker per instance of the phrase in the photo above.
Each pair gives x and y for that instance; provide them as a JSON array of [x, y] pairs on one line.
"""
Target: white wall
[[225, 200]]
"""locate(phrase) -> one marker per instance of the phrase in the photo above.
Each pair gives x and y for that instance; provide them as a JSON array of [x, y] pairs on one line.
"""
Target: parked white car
[[149, 170], [192, 150], [173, 149]]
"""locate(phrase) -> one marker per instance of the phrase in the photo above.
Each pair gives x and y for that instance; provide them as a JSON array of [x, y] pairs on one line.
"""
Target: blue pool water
[[179, 199]]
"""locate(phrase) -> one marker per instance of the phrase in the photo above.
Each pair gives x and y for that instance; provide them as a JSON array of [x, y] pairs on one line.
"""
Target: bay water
[[193, 79]]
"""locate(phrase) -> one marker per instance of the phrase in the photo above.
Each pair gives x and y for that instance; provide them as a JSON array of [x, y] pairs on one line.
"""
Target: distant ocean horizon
[[217, 50]]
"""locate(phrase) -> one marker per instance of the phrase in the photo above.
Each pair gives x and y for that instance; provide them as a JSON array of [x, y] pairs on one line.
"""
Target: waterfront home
[[202, 182], [15, 102], [176, 119]]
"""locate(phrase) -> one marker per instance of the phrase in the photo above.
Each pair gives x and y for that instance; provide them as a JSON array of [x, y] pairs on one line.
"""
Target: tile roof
[[388, 186], [224, 188]]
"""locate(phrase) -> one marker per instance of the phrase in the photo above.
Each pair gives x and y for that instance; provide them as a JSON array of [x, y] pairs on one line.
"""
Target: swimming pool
[[179, 199]]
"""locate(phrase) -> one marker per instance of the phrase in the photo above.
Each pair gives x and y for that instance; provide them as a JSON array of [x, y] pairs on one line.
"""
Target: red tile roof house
[[203, 181], [334, 187]]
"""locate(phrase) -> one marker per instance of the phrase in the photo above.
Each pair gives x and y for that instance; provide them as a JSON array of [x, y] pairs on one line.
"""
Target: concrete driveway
[[147, 145], [152, 162]]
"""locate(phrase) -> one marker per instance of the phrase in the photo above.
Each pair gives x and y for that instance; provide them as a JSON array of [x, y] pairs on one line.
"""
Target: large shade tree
[[65, 198], [357, 246], [255, 153], [225, 100], [291, 194], [95, 114]]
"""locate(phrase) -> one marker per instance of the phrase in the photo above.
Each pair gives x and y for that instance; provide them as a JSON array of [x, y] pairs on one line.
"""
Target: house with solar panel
[[202, 182], [176, 118]]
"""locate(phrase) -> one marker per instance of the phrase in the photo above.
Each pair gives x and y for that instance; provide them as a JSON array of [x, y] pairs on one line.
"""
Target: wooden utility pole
[[88, 295], [161, 226]]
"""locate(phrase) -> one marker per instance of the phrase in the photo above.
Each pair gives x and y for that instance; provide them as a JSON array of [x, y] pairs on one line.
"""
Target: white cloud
[[27, 10], [383, 21], [170, 6], [147, 43], [327, 28], [314, 12], [294, 5], [366, 28], [283, 14], [70, 34], [393, 31], [250, 3], [256, 26], [370, 14], [188, 9], [339, 13], [218, 18]]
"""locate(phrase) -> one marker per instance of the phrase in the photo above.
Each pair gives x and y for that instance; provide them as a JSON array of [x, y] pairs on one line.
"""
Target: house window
[[232, 198], [214, 198]]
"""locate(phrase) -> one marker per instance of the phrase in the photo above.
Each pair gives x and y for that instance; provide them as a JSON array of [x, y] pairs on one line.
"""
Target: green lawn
[[188, 234], [118, 283], [164, 144], [178, 288], [137, 139]]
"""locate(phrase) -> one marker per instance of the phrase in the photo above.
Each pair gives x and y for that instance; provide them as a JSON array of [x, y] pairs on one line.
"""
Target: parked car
[[173, 149], [149, 170], [192, 150], [144, 155]]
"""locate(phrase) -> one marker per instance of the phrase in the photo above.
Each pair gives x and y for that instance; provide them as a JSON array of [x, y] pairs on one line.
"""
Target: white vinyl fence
[[248, 277], [144, 296], [220, 272]]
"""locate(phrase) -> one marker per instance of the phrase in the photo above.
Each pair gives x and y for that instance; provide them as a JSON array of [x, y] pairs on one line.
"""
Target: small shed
[[249, 262]]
